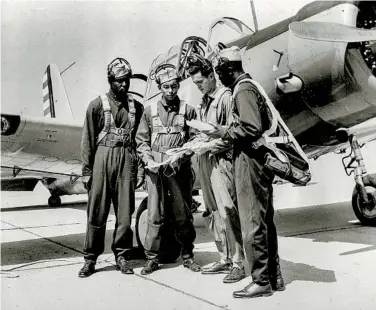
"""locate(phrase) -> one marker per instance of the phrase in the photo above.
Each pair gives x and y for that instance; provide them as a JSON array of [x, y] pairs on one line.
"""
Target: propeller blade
[[323, 31]]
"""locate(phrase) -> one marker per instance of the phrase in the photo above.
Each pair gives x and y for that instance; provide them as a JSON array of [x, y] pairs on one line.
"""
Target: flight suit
[[112, 164], [217, 179], [253, 182], [161, 128]]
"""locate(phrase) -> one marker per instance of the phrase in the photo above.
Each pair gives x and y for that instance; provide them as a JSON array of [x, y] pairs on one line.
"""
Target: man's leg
[[98, 207], [155, 221], [224, 191], [252, 188], [275, 274], [213, 221], [122, 179], [180, 188]]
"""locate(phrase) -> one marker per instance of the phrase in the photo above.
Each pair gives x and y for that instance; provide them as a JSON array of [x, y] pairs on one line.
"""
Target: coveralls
[[217, 179], [178, 186], [112, 164], [253, 182]]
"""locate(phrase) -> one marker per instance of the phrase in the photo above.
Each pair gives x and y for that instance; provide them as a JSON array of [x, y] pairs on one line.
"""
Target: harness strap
[[107, 118], [159, 128], [131, 113], [109, 124], [276, 120]]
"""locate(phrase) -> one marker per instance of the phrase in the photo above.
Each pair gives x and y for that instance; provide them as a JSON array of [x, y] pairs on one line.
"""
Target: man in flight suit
[[253, 181], [216, 176], [109, 170], [163, 127]]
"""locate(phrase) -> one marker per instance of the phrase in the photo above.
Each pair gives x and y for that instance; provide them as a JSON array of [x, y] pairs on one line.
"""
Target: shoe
[[151, 266], [235, 275], [87, 270], [253, 290], [191, 264], [216, 268], [123, 265], [277, 283]]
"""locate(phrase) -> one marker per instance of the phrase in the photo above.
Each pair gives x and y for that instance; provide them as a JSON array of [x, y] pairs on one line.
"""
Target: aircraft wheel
[[170, 248], [54, 201], [141, 222], [366, 213]]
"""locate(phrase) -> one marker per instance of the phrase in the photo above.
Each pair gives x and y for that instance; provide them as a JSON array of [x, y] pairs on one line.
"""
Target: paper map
[[199, 125]]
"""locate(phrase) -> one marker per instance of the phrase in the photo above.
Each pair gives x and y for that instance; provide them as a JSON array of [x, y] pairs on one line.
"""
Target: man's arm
[[250, 123], [143, 138], [140, 163], [88, 141], [224, 119], [190, 115]]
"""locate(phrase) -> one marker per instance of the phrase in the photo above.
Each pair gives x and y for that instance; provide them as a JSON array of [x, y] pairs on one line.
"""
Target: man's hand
[[216, 132], [152, 166], [86, 181], [202, 148]]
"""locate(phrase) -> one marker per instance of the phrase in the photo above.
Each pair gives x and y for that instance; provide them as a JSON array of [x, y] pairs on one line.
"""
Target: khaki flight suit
[[163, 127], [217, 180]]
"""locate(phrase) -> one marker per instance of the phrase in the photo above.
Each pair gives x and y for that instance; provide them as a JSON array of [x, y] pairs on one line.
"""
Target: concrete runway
[[328, 258]]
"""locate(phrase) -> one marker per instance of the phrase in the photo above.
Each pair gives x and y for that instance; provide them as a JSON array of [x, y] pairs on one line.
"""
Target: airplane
[[47, 149], [318, 67]]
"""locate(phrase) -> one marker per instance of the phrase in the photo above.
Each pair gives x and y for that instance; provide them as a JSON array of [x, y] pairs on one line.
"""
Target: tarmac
[[327, 257]]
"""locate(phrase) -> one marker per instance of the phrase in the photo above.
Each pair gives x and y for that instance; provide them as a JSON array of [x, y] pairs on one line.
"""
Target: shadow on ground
[[303, 272], [291, 271], [320, 223], [26, 251]]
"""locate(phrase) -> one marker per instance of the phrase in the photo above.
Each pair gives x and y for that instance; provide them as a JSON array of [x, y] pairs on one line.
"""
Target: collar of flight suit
[[208, 99], [170, 107], [119, 104], [241, 77]]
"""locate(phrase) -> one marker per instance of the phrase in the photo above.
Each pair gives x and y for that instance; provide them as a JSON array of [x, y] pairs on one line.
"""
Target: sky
[[92, 33]]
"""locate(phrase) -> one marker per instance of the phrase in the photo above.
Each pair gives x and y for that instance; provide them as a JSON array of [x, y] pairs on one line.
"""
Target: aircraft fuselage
[[338, 88]]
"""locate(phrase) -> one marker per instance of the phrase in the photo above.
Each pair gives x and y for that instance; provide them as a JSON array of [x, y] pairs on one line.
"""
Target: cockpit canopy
[[223, 30], [177, 55]]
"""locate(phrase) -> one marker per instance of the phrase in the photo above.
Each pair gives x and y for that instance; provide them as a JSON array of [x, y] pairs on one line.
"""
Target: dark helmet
[[118, 68]]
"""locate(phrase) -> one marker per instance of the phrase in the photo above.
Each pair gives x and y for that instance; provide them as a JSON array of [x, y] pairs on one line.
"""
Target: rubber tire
[[141, 209], [170, 248], [54, 201], [370, 183]]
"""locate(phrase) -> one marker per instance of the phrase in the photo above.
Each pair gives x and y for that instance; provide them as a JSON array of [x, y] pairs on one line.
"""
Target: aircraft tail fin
[[55, 99]]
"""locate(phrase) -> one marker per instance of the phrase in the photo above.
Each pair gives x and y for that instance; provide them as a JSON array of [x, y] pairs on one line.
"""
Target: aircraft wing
[[365, 132], [38, 148]]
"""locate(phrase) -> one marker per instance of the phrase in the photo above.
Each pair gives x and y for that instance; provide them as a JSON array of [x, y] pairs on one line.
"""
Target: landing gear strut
[[54, 201], [364, 194]]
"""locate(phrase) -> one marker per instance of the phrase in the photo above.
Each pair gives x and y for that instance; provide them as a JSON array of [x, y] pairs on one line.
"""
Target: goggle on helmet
[[119, 68], [164, 73]]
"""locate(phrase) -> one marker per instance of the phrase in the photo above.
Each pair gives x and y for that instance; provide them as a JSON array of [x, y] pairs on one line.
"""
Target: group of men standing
[[122, 142]]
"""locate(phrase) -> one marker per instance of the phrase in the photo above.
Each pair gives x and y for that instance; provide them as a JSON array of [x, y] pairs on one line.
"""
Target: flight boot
[[123, 265], [87, 270], [253, 290], [150, 267]]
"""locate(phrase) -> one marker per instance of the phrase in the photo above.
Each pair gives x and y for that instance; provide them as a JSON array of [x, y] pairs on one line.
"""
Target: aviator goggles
[[164, 72], [119, 68]]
